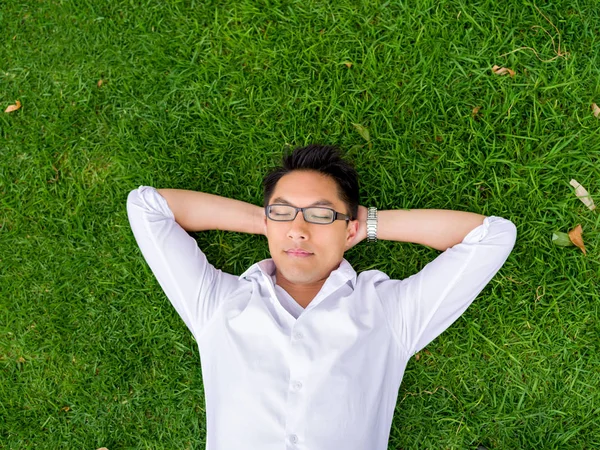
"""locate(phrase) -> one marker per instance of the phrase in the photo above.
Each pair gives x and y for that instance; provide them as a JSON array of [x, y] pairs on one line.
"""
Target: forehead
[[307, 187]]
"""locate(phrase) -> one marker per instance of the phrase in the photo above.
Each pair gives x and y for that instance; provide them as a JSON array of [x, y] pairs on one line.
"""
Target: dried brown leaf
[[418, 356], [503, 71], [100, 83], [596, 110], [348, 64], [475, 111], [14, 107], [21, 359], [576, 238], [65, 409]]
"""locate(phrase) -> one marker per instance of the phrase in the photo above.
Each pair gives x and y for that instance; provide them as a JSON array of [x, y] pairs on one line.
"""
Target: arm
[[425, 304], [195, 288], [197, 211], [436, 228], [474, 248]]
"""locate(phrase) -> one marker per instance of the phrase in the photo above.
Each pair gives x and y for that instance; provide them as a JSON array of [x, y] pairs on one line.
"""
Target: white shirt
[[277, 376]]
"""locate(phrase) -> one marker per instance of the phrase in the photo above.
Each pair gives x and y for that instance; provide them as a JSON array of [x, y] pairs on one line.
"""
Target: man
[[300, 352]]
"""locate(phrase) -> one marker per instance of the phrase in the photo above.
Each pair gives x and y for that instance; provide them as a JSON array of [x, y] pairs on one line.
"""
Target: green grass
[[205, 96]]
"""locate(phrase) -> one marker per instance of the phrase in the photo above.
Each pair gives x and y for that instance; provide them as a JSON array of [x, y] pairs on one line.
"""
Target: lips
[[298, 252]]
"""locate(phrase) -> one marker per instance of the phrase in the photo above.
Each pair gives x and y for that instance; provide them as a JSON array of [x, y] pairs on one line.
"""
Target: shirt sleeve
[[194, 287], [422, 306]]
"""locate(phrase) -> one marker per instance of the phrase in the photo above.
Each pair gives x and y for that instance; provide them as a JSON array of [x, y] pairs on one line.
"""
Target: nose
[[298, 228]]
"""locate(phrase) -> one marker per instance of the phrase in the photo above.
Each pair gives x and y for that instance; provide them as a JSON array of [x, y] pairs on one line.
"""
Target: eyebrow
[[321, 202]]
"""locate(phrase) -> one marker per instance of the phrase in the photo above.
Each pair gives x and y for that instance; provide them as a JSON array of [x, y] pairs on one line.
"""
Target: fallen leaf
[[65, 409], [21, 359], [363, 131], [348, 64], [418, 356], [14, 107], [356, 148], [475, 111], [596, 110], [100, 83], [576, 238], [503, 71], [583, 195], [561, 239]]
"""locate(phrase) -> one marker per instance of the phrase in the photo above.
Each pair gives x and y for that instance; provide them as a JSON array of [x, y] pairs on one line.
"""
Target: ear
[[353, 228], [352, 234]]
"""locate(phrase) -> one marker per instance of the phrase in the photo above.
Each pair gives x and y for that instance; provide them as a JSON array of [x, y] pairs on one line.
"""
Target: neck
[[303, 294]]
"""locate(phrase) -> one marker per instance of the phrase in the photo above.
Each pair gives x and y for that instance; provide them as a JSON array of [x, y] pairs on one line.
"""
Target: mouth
[[298, 253]]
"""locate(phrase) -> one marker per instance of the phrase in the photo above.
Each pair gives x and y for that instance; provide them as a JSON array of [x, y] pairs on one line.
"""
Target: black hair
[[324, 159]]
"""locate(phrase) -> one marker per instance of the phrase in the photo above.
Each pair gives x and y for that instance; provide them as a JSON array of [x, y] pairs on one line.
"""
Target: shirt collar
[[342, 274]]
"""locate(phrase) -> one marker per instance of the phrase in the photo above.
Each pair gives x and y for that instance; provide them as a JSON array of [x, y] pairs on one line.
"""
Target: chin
[[298, 276]]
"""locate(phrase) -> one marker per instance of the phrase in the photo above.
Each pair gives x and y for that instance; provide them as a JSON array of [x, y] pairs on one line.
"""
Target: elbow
[[506, 236], [511, 233]]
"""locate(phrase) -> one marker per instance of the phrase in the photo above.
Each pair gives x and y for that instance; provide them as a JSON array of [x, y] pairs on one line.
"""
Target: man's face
[[306, 253]]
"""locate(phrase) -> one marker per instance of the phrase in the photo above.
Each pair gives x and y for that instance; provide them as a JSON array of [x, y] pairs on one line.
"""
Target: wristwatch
[[372, 224]]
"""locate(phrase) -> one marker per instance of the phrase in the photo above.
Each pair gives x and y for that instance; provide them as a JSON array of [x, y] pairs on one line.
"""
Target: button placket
[[296, 399], [296, 385]]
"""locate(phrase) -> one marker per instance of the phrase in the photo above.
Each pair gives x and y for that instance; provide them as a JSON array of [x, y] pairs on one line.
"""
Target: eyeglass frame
[[336, 215]]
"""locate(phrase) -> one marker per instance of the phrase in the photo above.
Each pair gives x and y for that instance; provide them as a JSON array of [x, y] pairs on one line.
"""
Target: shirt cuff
[[152, 200], [477, 234]]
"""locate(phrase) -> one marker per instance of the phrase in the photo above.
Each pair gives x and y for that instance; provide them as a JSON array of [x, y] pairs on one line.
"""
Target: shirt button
[[298, 335], [296, 385], [293, 438]]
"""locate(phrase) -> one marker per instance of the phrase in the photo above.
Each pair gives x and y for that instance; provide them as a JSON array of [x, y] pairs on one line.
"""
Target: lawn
[[206, 96]]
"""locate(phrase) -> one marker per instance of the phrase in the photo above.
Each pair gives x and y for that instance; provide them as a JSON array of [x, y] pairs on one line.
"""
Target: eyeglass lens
[[314, 214]]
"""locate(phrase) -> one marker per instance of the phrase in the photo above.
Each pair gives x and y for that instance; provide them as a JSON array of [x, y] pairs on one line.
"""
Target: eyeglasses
[[312, 214]]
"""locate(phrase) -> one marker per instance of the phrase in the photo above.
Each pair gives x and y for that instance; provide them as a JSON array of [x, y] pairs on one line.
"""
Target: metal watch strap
[[372, 224]]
